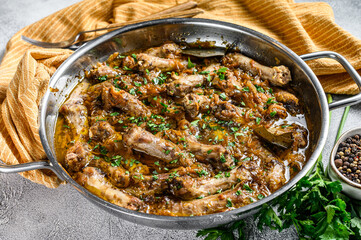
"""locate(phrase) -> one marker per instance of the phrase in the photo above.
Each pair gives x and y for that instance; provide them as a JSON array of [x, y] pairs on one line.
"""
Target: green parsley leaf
[[222, 70], [190, 64], [229, 203], [114, 114], [245, 89], [223, 96], [247, 187], [103, 78], [204, 72], [273, 113], [195, 123], [132, 91]]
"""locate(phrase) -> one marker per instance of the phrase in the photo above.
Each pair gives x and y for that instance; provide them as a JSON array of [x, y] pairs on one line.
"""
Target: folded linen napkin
[[25, 70]]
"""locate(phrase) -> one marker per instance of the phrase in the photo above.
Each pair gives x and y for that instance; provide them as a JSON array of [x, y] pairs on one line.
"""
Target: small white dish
[[350, 188]]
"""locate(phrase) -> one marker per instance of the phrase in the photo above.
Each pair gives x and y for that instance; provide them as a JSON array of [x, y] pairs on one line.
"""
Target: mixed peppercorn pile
[[348, 158]]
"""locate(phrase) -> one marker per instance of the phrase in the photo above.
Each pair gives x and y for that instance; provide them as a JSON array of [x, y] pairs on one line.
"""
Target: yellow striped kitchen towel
[[25, 70]]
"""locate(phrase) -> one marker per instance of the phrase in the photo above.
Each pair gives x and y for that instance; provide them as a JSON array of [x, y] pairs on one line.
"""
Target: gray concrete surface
[[31, 211]]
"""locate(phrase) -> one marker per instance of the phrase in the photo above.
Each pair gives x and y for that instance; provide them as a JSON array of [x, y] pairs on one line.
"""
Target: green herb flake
[[138, 84], [247, 188], [103, 78], [114, 114], [223, 96], [190, 64], [222, 70], [204, 72], [222, 159], [260, 196], [132, 91], [195, 123], [229, 203], [245, 89]]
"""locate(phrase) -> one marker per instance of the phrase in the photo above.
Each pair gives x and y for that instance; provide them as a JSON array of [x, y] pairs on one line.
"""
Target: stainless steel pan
[[153, 33]]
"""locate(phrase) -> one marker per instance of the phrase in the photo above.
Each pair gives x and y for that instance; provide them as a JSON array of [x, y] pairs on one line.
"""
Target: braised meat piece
[[167, 50], [188, 188], [101, 130], [146, 61], [194, 104], [77, 157], [184, 84], [143, 141], [75, 112], [210, 204], [125, 101], [213, 154], [103, 72], [92, 179], [277, 76]]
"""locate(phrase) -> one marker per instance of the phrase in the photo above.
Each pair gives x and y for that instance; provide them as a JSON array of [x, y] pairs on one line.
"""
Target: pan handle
[[25, 167], [353, 73]]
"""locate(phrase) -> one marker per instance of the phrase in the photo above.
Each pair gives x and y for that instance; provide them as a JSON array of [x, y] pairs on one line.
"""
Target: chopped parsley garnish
[[190, 64], [103, 150], [271, 100], [229, 203], [222, 159], [258, 120], [245, 89], [209, 78], [260, 196], [204, 72], [222, 70], [132, 91], [231, 144], [114, 114], [259, 89], [202, 173], [116, 162], [195, 123], [103, 78], [223, 96], [160, 79], [246, 187]]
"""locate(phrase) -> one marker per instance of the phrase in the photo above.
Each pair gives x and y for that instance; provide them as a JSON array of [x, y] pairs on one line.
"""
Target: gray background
[[32, 211]]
